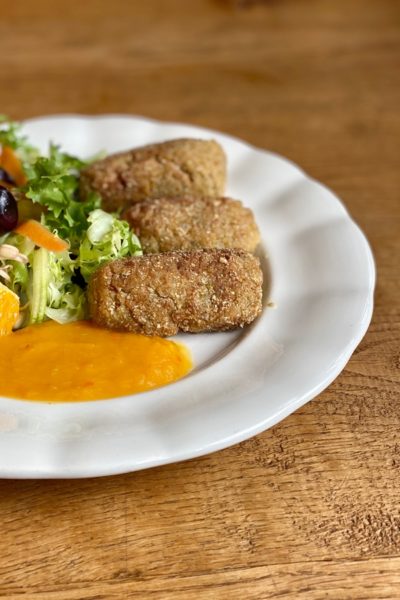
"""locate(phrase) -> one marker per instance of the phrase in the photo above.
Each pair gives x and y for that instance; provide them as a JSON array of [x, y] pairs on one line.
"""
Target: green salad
[[52, 285]]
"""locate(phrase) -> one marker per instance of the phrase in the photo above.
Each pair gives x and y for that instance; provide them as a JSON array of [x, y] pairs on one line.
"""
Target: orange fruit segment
[[9, 309]]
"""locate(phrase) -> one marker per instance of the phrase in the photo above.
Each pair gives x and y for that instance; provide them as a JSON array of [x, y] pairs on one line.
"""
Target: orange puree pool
[[79, 361]]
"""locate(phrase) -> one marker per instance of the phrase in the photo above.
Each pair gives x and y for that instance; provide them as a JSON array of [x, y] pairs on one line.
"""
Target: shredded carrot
[[41, 236], [11, 163]]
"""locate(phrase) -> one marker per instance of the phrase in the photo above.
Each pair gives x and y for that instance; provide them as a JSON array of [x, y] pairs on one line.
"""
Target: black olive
[[8, 210], [5, 176]]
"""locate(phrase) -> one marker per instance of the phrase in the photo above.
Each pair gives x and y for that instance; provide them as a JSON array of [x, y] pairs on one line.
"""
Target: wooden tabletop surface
[[309, 509]]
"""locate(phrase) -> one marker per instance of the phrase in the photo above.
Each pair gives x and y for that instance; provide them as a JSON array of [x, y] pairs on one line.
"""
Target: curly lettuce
[[54, 184], [106, 238], [49, 285], [12, 136]]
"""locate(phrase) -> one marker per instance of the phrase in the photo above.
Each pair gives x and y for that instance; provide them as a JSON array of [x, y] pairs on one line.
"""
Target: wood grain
[[378, 579], [308, 509]]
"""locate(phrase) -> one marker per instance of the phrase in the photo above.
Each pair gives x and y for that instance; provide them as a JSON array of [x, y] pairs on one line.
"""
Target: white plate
[[321, 279]]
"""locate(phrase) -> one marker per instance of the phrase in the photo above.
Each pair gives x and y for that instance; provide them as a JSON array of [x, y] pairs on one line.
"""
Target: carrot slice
[[41, 236], [11, 163]]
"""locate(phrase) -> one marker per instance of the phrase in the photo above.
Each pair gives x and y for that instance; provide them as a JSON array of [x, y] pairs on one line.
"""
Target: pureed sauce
[[79, 361]]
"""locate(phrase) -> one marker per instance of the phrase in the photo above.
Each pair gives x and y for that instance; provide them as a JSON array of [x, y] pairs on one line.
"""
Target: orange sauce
[[79, 361]]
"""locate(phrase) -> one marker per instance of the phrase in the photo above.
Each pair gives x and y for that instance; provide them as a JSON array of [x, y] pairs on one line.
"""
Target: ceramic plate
[[319, 274]]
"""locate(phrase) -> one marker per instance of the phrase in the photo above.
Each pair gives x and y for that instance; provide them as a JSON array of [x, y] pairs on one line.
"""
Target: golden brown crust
[[172, 168], [190, 223], [161, 294]]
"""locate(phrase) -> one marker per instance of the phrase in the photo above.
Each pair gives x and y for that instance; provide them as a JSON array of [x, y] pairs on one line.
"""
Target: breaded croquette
[[190, 223], [161, 294], [173, 168]]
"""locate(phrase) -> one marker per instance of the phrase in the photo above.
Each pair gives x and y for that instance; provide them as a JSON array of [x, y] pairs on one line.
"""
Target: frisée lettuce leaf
[[11, 135], [53, 285], [54, 184], [106, 238], [66, 300]]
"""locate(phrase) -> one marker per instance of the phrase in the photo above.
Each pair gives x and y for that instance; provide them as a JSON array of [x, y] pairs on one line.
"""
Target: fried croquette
[[162, 294], [190, 223], [172, 168]]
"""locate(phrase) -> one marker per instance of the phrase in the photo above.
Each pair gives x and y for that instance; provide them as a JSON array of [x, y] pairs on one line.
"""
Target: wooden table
[[309, 509]]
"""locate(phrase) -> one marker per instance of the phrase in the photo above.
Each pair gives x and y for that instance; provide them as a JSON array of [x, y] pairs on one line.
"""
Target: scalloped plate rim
[[289, 407]]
